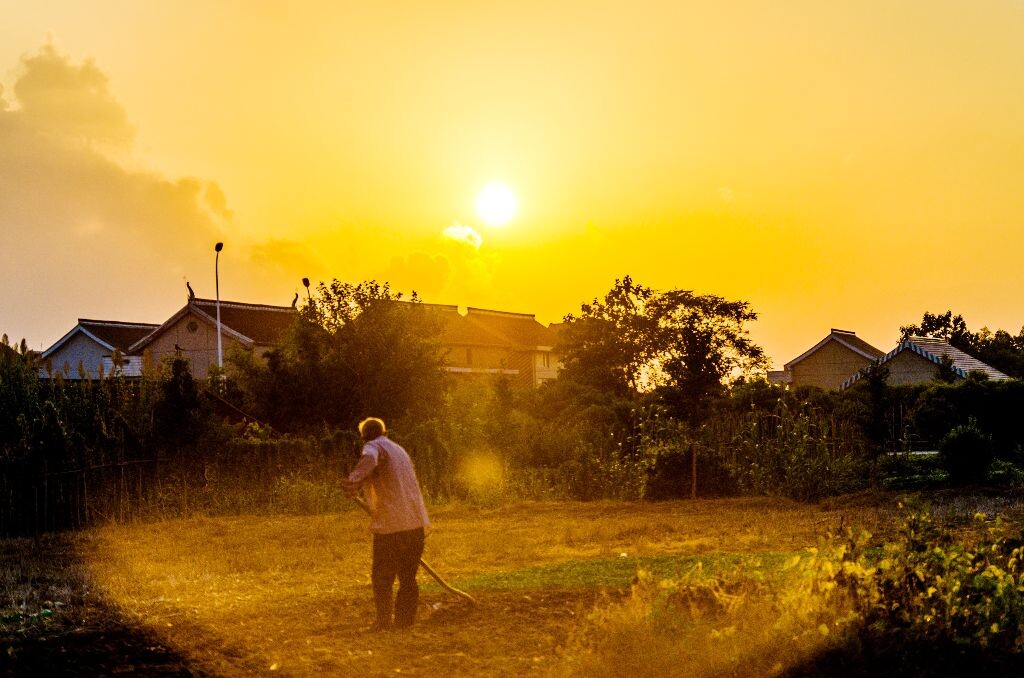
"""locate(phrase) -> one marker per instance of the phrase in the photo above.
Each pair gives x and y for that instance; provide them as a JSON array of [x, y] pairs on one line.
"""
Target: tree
[[354, 351], [946, 373], [701, 344], [178, 416], [946, 326], [610, 343], [1002, 350], [681, 346]]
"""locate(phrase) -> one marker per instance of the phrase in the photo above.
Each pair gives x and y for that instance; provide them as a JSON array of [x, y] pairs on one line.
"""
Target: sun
[[496, 204]]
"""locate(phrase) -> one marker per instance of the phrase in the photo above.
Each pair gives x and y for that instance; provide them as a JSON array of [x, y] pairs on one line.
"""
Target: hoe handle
[[445, 585]]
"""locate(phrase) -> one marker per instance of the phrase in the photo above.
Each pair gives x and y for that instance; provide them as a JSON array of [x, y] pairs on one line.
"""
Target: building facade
[[828, 363]]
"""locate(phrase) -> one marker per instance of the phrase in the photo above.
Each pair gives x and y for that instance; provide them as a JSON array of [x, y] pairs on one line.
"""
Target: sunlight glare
[[496, 204]]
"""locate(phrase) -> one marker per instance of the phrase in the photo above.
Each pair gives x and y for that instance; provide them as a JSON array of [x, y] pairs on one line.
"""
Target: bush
[[966, 453], [928, 603], [1006, 473], [913, 472]]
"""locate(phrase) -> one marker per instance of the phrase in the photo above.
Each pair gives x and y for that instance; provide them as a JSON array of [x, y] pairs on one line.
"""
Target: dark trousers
[[396, 554]]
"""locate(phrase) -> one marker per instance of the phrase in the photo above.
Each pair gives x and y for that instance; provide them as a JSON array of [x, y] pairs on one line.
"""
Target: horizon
[[848, 167]]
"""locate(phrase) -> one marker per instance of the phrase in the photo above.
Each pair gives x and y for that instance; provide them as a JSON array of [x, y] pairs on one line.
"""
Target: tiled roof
[[848, 339], [457, 331], [516, 329], [110, 334], [482, 327], [249, 323], [934, 349], [120, 335], [853, 341], [261, 323]]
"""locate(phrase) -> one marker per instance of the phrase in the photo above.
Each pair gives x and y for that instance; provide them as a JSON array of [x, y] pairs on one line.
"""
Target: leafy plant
[[926, 602]]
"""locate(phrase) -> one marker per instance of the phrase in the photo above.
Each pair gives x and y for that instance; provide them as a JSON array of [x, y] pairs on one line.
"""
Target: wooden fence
[[243, 476], [34, 500]]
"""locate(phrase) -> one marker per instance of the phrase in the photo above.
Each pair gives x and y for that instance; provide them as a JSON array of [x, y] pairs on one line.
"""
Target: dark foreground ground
[[54, 626]]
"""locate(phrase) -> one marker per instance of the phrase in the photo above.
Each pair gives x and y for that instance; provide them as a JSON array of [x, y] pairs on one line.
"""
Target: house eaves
[[841, 337], [199, 313], [77, 329], [967, 363]]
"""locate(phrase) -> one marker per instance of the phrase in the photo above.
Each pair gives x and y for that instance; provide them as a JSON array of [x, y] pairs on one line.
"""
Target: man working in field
[[398, 522]]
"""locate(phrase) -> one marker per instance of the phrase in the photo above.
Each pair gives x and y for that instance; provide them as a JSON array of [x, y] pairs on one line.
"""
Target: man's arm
[[367, 464]]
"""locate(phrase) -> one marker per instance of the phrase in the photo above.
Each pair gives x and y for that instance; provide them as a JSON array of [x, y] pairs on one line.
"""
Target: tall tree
[[681, 345], [610, 343], [701, 344]]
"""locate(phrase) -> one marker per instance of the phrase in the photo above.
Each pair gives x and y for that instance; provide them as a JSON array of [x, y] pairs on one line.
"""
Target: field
[[290, 595]]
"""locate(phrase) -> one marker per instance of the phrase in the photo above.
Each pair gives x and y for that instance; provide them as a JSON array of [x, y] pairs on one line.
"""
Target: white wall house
[[87, 350]]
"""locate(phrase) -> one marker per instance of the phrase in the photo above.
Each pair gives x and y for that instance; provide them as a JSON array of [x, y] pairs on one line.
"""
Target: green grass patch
[[618, 573]]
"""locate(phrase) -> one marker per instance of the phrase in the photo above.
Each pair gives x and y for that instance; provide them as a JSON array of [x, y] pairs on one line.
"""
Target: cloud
[[59, 97], [456, 270], [464, 234], [428, 274], [80, 220], [217, 201], [287, 256]]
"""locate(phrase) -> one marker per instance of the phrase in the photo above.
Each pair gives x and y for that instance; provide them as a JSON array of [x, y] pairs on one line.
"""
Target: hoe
[[445, 585]]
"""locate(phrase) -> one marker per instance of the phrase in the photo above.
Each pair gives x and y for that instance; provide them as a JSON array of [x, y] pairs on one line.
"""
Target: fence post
[[693, 471]]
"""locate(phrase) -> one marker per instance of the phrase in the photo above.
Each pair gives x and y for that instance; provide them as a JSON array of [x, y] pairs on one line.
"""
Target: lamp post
[[216, 277]]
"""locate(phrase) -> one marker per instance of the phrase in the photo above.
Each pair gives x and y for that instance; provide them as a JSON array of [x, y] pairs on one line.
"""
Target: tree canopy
[[677, 344], [355, 350]]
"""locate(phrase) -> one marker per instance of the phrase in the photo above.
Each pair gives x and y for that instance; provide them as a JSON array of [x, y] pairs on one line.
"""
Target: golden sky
[[842, 165]]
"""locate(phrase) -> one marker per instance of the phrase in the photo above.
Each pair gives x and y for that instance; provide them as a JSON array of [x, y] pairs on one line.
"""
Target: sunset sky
[[844, 165]]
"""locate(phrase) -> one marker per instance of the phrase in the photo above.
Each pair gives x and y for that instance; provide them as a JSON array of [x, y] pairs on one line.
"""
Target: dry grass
[[232, 596], [239, 594]]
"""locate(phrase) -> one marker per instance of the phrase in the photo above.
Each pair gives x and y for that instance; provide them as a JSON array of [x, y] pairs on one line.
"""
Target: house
[[829, 363], [192, 332], [476, 343], [919, 359], [87, 350], [487, 342]]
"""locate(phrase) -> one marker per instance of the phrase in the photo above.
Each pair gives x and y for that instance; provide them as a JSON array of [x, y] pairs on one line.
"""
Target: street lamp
[[216, 277]]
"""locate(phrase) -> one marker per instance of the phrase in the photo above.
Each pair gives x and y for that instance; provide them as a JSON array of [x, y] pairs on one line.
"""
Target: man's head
[[371, 428]]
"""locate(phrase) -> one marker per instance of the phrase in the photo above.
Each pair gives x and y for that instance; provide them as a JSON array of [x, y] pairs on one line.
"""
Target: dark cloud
[[77, 218]]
